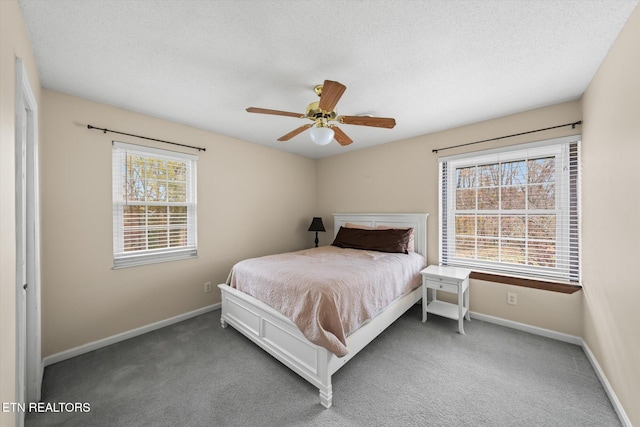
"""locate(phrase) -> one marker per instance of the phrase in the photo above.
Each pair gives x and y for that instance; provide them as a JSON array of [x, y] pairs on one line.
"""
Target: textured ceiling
[[431, 65]]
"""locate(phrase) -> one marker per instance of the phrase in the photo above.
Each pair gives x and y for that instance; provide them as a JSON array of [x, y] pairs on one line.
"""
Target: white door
[[21, 260], [28, 354], [33, 361]]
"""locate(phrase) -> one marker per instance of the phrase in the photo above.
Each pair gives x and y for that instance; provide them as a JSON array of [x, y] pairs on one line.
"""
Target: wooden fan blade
[[295, 132], [340, 136], [274, 112], [331, 94], [379, 122]]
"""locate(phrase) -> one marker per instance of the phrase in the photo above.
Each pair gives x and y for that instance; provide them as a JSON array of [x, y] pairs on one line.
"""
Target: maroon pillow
[[392, 240]]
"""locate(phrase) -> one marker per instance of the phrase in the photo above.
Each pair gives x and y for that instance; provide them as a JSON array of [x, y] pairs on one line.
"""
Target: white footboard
[[281, 338], [278, 336]]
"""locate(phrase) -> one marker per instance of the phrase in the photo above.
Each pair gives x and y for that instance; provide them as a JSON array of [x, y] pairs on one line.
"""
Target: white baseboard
[[95, 345], [572, 339], [624, 419]]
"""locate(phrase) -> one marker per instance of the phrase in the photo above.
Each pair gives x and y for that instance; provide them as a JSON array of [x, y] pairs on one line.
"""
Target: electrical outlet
[[207, 287], [512, 298]]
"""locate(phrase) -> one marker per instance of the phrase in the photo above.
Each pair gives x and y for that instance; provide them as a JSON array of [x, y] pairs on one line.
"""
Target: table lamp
[[316, 225]]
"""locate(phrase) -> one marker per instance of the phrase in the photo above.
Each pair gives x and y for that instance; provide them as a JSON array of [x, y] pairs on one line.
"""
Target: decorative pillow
[[410, 245], [390, 240]]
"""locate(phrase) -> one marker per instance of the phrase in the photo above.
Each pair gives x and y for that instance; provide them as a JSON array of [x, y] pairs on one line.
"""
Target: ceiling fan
[[322, 112]]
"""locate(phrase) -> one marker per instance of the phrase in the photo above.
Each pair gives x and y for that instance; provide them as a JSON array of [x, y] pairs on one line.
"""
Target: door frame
[[27, 130]]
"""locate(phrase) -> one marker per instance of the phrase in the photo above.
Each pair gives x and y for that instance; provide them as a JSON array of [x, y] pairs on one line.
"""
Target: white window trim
[[544, 147], [157, 255]]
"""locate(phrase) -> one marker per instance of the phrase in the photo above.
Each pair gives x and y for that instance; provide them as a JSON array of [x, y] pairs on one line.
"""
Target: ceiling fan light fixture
[[321, 135], [324, 111]]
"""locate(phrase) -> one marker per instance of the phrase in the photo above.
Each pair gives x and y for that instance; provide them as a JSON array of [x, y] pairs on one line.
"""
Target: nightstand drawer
[[442, 279], [441, 286]]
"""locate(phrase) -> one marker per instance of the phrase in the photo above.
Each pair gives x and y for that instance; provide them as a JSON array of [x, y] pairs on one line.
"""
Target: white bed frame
[[280, 337]]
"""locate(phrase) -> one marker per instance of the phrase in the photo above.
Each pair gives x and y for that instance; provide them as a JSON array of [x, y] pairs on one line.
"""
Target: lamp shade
[[321, 135], [316, 224]]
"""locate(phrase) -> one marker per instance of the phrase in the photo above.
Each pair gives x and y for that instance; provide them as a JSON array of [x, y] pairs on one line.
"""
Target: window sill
[[564, 288], [135, 261]]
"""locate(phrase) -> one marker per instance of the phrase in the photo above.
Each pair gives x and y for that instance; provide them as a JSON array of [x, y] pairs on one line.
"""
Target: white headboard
[[417, 221]]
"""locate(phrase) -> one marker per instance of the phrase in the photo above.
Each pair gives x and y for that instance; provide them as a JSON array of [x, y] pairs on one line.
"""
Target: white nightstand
[[448, 279]]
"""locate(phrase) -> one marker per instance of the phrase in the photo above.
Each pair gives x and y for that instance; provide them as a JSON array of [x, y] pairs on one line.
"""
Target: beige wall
[[13, 44], [252, 200], [403, 177], [611, 216]]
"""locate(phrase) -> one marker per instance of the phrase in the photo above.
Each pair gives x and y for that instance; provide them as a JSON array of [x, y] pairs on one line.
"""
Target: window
[[513, 210], [154, 205]]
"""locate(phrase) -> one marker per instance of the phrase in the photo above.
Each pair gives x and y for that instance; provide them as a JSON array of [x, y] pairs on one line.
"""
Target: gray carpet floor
[[195, 373]]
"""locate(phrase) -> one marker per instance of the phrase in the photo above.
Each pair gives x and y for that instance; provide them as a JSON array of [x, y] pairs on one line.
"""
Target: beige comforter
[[328, 292]]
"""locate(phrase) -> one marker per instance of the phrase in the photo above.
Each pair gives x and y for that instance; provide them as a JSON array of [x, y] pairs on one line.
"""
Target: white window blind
[[154, 205], [513, 211]]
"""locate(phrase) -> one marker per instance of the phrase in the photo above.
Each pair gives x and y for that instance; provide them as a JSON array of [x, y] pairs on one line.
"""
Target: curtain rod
[[573, 126], [144, 137]]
